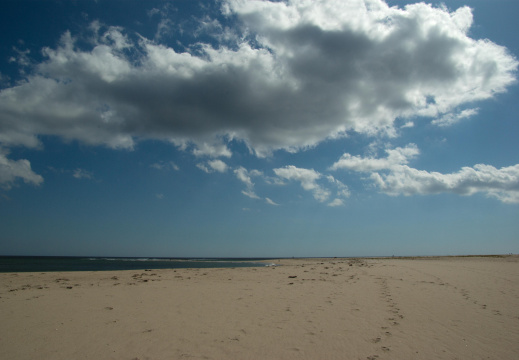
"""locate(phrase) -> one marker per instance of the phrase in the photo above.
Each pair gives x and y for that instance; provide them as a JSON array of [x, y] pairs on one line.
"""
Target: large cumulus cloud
[[286, 75], [302, 72]]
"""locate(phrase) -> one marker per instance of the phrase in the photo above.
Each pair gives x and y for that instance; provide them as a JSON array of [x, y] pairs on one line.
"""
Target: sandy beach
[[421, 308]]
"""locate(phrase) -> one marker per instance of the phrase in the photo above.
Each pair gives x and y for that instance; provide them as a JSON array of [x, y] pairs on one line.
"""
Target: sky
[[236, 128]]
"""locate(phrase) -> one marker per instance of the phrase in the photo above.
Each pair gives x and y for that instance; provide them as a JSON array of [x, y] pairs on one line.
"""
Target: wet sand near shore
[[412, 308]]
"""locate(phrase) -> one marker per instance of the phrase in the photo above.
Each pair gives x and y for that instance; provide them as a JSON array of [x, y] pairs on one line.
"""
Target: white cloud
[[218, 165], [165, 165], [154, 12], [336, 202], [393, 177], [452, 118], [308, 178], [342, 189], [271, 202], [323, 67], [22, 58], [502, 184], [204, 168], [212, 150], [164, 28], [245, 176], [11, 170], [82, 174], [212, 166], [397, 156], [250, 193]]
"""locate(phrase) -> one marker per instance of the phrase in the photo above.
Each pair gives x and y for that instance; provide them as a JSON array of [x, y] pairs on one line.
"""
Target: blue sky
[[258, 129]]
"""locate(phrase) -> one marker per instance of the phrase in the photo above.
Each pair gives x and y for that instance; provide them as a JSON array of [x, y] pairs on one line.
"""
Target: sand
[[424, 308]]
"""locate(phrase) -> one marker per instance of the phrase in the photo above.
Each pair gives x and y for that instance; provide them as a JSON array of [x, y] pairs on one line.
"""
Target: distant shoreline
[[14, 264]]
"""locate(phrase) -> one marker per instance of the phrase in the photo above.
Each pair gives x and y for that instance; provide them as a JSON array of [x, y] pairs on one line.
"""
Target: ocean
[[73, 263]]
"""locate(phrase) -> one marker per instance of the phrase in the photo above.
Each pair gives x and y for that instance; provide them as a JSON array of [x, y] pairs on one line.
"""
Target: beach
[[391, 308]]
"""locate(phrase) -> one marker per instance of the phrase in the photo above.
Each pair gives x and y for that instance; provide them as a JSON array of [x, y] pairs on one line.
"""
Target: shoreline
[[307, 308], [151, 262]]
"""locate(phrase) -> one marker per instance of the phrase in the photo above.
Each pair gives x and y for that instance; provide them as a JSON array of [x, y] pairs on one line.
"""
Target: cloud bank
[[394, 177], [299, 72], [285, 76]]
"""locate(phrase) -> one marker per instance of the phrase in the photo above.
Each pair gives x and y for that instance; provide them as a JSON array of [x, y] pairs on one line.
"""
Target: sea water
[[72, 263]]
